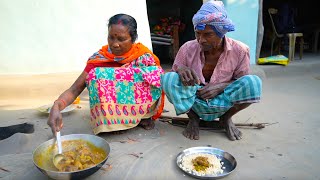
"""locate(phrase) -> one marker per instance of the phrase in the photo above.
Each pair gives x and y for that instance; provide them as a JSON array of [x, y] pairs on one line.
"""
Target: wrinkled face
[[119, 39], [208, 39]]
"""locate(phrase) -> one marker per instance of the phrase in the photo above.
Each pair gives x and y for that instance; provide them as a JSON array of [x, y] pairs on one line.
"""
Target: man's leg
[[243, 92], [236, 97], [192, 129], [233, 132], [182, 97]]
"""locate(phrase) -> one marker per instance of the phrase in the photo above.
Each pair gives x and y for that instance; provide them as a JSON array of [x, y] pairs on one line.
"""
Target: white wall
[[244, 14], [50, 36]]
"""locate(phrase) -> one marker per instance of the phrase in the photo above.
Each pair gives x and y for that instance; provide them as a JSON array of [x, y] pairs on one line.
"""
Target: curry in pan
[[79, 155]]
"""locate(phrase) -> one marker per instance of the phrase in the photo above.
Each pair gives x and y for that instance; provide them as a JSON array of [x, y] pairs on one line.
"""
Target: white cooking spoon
[[58, 157]]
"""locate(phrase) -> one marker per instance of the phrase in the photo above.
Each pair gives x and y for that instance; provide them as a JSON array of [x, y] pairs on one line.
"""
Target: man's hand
[[210, 91], [188, 77], [55, 119]]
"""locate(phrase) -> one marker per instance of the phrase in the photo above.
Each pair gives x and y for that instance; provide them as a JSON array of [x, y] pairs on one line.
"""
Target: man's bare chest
[[209, 66]]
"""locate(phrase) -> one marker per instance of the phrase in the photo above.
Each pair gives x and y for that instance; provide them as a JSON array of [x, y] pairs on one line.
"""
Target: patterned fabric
[[137, 50], [121, 96], [246, 89], [233, 63], [105, 55], [213, 13]]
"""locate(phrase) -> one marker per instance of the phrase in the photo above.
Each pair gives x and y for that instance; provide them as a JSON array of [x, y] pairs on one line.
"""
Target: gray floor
[[285, 150]]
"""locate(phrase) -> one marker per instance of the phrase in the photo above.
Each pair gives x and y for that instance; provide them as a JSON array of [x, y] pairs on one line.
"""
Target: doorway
[[170, 23], [303, 16]]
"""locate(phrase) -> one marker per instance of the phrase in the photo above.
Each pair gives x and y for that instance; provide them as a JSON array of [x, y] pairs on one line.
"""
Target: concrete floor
[[286, 150]]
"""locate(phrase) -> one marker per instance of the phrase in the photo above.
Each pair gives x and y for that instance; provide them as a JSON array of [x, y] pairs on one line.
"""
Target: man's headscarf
[[213, 13]]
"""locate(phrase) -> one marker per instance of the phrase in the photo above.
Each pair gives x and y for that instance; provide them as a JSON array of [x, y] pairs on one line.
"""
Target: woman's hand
[[188, 77], [55, 119], [65, 99]]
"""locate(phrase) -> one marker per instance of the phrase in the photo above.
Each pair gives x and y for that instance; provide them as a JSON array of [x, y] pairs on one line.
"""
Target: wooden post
[[175, 37], [260, 32]]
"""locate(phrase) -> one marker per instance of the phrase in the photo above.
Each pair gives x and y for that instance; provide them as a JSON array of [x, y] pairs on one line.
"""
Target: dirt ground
[[285, 150]]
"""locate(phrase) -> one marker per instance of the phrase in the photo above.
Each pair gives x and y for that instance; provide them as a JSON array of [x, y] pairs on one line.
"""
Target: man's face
[[208, 39]]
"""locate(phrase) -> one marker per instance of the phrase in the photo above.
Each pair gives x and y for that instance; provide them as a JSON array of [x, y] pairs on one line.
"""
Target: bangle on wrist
[[62, 101]]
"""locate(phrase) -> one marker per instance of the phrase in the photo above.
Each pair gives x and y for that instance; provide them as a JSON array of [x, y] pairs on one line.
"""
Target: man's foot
[[192, 129], [233, 133], [147, 124]]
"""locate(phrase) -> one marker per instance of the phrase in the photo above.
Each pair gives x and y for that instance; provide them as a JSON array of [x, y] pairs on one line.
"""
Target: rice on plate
[[214, 168]]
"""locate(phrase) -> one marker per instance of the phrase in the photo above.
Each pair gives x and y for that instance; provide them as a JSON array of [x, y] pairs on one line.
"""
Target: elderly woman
[[123, 80], [210, 78]]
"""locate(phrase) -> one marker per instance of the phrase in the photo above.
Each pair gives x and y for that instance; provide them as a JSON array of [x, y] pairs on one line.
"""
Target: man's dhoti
[[246, 89]]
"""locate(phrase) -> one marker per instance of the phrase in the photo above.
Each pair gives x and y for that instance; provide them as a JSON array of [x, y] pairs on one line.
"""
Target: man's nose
[[202, 39]]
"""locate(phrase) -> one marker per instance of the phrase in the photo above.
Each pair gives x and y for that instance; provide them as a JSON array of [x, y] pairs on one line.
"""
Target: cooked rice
[[215, 169]]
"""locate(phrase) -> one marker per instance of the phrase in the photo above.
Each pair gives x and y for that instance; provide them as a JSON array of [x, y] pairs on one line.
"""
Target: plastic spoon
[[58, 157]]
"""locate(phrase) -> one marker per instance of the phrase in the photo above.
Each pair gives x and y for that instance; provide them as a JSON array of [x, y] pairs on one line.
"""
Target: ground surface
[[286, 150]]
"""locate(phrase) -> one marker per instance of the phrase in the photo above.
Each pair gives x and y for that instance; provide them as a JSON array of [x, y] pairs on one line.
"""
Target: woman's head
[[122, 33]]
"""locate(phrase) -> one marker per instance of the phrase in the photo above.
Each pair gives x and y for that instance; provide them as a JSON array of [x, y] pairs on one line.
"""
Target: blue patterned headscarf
[[213, 13]]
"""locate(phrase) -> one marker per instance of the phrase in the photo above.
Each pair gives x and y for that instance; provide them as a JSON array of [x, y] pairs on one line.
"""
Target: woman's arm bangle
[[62, 101]]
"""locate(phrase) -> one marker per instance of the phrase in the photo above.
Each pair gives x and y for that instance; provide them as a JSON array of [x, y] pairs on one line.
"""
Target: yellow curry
[[200, 163], [79, 154]]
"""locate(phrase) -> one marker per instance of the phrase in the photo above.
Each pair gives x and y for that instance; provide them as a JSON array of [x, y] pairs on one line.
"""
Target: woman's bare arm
[[66, 98], [73, 92]]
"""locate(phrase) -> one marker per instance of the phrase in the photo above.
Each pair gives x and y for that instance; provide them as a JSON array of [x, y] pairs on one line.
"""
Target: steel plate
[[229, 162], [47, 108]]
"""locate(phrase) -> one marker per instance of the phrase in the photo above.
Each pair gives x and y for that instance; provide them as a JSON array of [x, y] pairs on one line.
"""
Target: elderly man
[[210, 76]]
